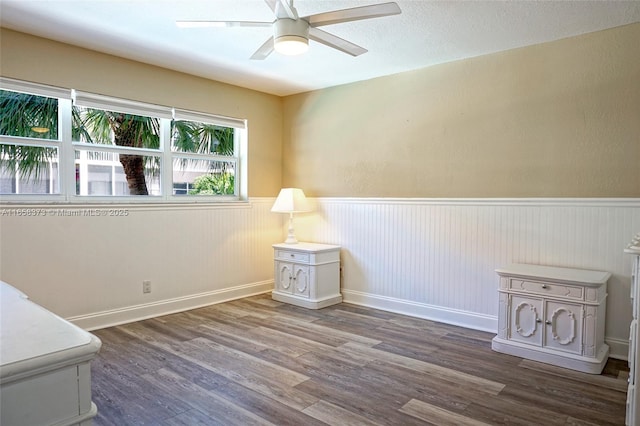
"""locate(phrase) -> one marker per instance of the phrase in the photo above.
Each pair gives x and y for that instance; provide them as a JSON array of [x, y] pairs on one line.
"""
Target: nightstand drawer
[[542, 288], [291, 255]]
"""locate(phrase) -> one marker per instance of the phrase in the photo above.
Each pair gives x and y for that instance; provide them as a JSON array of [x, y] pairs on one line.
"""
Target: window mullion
[[19, 140], [166, 174], [66, 164], [81, 146]]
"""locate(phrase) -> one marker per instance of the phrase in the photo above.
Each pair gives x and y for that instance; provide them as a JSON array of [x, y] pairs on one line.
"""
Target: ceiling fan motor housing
[[291, 32]]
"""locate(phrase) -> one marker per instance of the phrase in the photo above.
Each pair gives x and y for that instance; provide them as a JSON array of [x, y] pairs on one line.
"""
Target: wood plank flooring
[[256, 361]]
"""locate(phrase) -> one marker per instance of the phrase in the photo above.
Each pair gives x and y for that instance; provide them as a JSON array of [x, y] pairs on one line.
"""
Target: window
[[29, 154], [77, 145], [204, 155]]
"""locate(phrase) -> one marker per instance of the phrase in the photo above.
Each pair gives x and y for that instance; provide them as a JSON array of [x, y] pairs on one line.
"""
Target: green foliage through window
[[29, 116], [213, 184]]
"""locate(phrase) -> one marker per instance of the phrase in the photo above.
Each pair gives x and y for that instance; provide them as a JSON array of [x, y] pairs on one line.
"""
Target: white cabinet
[[633, 395], [307, 274], [45, 375], [553, 315]]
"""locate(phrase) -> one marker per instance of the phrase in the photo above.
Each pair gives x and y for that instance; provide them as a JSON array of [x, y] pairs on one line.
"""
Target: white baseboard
[[422, 310], [128, 314], [619, 348], [95, 321]]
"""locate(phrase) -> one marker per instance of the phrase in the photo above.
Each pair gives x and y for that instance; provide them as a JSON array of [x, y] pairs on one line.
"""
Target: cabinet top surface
[[582, 276], [29, 331], [308, 247]]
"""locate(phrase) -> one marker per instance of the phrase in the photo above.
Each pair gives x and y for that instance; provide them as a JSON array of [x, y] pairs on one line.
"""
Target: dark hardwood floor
[[256, 361]]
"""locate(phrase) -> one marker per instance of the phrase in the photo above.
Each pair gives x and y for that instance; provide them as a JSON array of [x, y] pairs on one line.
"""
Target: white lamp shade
[[291, 200]]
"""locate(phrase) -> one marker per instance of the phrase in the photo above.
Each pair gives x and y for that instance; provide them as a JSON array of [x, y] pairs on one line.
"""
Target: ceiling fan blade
[[353, 14], [208, 24], [264, 50], [285, 10], [272, 4], [336, 42]]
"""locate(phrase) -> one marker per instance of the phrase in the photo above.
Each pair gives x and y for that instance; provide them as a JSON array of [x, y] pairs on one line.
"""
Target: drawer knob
[[547, 322], [538, 320], [291, 254], [544, 286]]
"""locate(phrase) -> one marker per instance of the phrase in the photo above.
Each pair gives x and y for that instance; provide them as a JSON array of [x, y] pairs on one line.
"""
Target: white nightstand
[[553, 315], [307, 274]]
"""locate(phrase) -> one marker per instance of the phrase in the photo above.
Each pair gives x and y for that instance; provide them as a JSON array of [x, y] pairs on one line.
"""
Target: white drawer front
[[44, 399], [547, 289], [294, 256]]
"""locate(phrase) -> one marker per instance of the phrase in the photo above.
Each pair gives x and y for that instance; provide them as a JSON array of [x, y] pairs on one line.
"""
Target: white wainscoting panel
[[435, 258], [90, 268]]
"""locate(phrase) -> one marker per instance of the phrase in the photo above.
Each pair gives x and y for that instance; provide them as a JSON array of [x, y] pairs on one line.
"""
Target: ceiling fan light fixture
[[291, 36], [291, 45]]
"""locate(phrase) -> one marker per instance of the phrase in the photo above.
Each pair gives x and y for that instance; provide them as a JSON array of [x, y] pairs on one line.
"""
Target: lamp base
[[291, 236]]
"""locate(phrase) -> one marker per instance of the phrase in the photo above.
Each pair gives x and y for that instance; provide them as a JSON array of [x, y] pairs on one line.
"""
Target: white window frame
[[67, 147]]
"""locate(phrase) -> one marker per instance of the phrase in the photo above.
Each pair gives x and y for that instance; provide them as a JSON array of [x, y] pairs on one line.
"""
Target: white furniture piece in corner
[[45, 376], [307, 274], [553, 315], [633, 393]]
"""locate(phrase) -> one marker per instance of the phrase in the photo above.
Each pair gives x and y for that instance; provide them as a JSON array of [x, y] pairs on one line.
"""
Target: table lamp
[[291, 200]]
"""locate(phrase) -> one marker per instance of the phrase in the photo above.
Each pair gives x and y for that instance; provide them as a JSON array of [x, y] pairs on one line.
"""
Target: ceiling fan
[[291, 33]]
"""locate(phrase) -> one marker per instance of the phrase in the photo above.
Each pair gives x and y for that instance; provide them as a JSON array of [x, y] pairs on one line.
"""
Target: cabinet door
[[284, 275], [633, 330], [301, 280], [525, 323], [563, 323], [634, 286]]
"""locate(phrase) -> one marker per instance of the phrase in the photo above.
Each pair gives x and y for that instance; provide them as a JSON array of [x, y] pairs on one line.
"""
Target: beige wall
[[560, 119], [44, 61]]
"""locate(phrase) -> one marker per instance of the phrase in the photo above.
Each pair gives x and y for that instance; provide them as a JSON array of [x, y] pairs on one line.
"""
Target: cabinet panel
[[633, 395], [633, 330], [631, 407], [564, 326], [525, 324], [634, 285], [301, 281], [284, 273]]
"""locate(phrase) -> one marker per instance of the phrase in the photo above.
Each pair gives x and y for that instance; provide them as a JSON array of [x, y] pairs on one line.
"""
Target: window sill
[[119, 203]]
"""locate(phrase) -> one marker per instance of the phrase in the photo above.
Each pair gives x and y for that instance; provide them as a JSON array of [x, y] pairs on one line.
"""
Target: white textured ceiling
[[426, 33]]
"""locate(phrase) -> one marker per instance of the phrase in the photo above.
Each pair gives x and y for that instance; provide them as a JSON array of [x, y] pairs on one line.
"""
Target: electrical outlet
[[146, 286]]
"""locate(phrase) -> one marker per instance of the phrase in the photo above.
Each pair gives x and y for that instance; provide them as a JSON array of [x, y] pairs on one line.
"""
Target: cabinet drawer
[[294, 256], [43, 399], [543, 288]]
